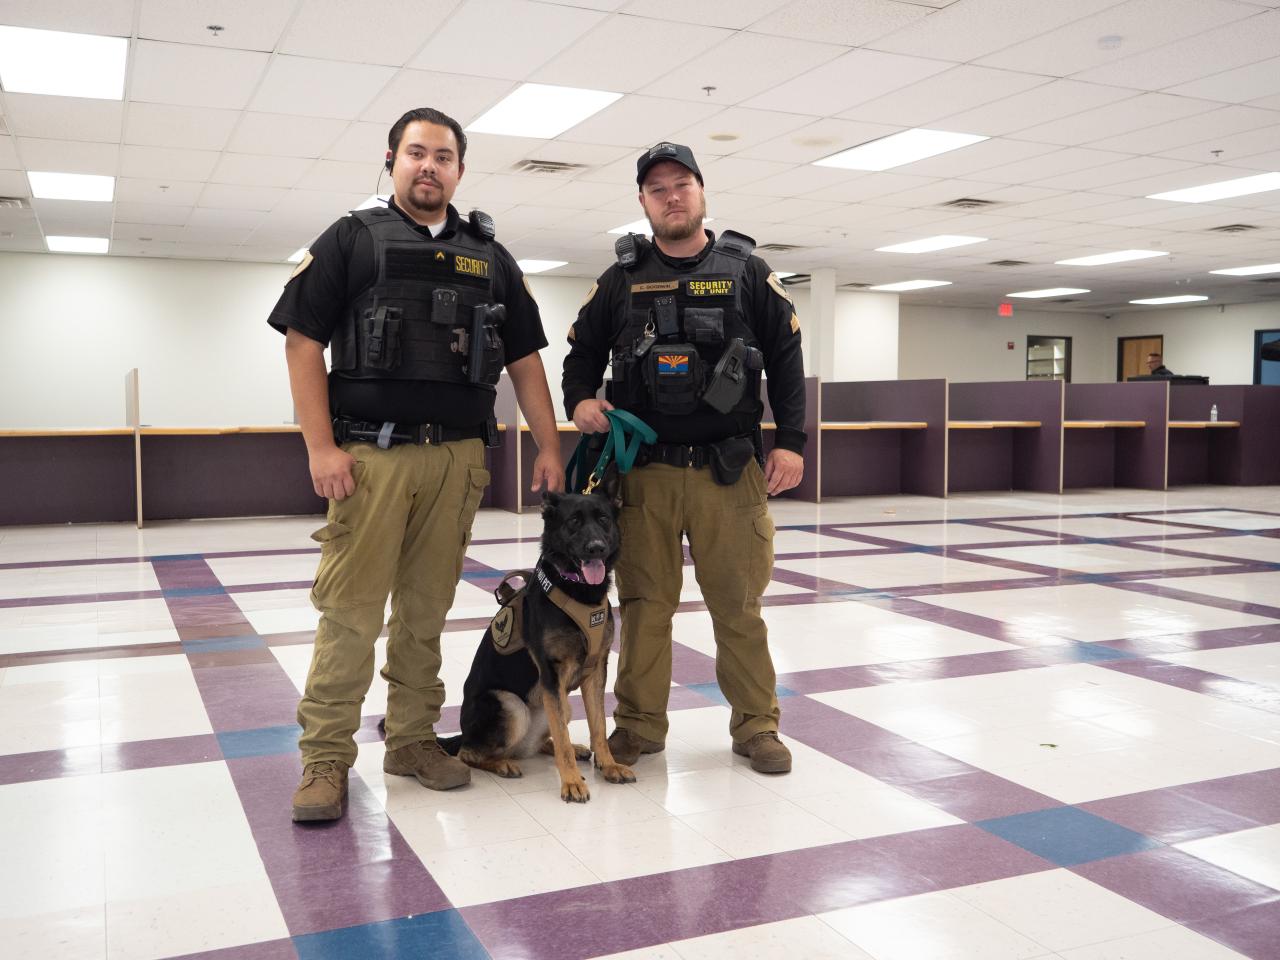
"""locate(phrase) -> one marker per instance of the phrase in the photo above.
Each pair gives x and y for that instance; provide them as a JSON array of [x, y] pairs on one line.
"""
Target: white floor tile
[[1251, 853], [503, 871], [806, 937]]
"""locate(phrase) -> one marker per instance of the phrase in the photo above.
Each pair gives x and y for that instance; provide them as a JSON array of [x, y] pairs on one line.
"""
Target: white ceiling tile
[[944, 94], [234, 197], [8, 154], [76, 218], [165, 125], [136, 248], [626, 53], [243, 220], [1260, 161], [258, 171], [786, 211], [247, 24], [1122, 171], [463, 98], [319, 88], [850, 22], [504, 188], [388, 32], [585, 195], [284, 135], [751, 127], [1233, 146], [976, 159], [1062, 98], [269, 253], [743, 66], [70, 156], [855, 77], [194, 76], [13, 183], [360, 141], [338, 177], [592, 154], [735, 14], [179, 192], [1266, 103], [868, 186], [531, 34], [155, 162], [637, 122], [731, 173], [490, 153], [107, 18], [1211, 51], [1240, 85], [1162, 183], [315, 204], [1122, 117], [968, 30], [816, 140], [795, 181], [1039, 169], [160, 232], [1164, 137], [60, 118], [1143, 25], [128, 212]]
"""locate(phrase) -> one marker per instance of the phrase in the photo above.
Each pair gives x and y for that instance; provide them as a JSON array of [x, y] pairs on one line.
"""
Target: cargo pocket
[[477, 480], [330, 535], [761, 550], [334, 538]]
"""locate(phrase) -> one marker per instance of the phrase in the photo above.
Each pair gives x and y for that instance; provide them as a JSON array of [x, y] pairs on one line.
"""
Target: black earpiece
[[389, 163]]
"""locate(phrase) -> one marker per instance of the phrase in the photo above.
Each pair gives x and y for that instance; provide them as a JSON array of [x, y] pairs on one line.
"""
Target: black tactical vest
[[430, 314], [678, 328]]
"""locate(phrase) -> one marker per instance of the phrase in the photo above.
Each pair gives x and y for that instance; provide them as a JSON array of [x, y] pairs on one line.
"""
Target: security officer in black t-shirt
[[689, 322], [421, 310]]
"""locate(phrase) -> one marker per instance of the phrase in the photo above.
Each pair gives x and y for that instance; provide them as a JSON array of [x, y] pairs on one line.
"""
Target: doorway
[[1265, 371], [1131, 355]]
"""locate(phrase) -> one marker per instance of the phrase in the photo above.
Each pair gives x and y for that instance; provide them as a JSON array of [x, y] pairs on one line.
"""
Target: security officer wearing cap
[[688, 323], [422, 310]]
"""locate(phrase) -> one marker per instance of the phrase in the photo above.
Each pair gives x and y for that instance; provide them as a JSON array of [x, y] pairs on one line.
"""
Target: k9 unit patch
[[597, 617]]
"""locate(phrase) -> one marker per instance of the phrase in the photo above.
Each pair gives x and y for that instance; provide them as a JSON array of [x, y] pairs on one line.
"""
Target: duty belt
[[675, 454], [389, 434]]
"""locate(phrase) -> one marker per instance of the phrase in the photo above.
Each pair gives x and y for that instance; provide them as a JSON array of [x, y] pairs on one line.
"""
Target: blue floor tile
[[443, 935], [260, 742], [1067, 836]]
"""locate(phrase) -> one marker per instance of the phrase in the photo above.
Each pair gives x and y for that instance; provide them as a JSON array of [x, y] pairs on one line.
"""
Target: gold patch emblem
[[662, 286], [306, 262], [573, 333], [778, 288], [439, 255], [590, 295], [795, 324], [528, 289], [471, 266], [500, 627], [710, 288]]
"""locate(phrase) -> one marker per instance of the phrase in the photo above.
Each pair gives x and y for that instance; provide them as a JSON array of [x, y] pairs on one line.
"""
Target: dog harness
[[506, 629]]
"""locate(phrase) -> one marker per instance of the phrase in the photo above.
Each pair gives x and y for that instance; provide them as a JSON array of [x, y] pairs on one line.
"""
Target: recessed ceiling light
[[912, 285], [1048, 292], [893, 151], [1249, 271], [642, 227], [783, 274], [1118, 256], [541, 111], [62, 64], [70, 186], [539, 266], [1223, 189], [942, 242], [76, 244], [297, 255], [1188, 298]]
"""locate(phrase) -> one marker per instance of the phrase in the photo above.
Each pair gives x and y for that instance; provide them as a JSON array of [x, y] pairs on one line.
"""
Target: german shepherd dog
[[516, 704]]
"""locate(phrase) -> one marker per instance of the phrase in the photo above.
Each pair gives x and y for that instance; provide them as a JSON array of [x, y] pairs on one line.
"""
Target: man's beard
[[676, 234], [426, 207]]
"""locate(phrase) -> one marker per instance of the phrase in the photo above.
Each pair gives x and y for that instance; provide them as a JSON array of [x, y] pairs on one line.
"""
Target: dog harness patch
[[501, 627]]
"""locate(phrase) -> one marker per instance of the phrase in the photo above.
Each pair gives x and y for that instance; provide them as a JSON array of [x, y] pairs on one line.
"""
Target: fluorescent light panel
[[539, 266], [1119, 256], [76, 244], [1249, 271], [541, 111], [898, 149], [70, 186], [928, 244], [1223, 189], [1048, 292], [62, 64], [297, 255], [912, 285], [1187, 298]]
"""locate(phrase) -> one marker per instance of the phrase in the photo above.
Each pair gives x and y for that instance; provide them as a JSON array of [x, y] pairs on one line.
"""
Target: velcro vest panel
[[414, 322], [506, 629], [708, 313]]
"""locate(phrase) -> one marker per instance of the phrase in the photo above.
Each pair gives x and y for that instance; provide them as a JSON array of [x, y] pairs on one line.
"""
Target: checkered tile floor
[[1023, 727]]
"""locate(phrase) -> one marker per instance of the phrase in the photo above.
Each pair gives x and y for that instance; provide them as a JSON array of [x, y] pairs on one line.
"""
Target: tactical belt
[[675, 455], [346, 430]]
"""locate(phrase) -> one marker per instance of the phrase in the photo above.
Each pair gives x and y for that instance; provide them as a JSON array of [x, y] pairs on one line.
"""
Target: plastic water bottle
[[1213, 414]]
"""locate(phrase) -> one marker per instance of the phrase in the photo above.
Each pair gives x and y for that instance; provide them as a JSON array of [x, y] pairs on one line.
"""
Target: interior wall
[[1215, 341]]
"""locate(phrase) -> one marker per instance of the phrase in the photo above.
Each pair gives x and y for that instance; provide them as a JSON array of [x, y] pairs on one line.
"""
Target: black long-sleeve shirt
[[766, 310]]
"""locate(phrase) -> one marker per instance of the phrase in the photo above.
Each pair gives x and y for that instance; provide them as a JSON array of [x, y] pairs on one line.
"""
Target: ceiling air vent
[[854, 285], [552, 167], [1067, 300], [795, 280], [13, 203], [969, 203], [778, 247], [1233, 228], [1009, 263], [1267, 280]]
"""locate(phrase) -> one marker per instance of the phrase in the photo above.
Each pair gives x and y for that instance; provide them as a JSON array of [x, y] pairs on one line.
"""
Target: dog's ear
[[611, 485], [550, 500]]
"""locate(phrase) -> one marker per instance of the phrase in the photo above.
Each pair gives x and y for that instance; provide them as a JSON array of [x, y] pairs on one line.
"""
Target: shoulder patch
[[573, 333], [306, 262], [778, 288], [795, 324], [590, 294], [528, 289]]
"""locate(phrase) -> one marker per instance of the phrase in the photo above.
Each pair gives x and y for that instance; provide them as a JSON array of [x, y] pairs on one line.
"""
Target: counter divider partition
[[1132, 451], [1240, 447], [990, 451]]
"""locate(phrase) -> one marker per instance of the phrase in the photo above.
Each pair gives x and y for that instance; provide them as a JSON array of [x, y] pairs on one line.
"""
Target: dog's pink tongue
[[593, 571]]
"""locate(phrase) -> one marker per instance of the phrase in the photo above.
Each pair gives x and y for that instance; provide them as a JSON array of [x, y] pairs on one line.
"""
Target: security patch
[[471, 266], [709, 288], [673, 364]]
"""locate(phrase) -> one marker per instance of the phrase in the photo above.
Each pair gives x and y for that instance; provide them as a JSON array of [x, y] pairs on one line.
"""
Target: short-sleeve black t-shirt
[[317, 299]]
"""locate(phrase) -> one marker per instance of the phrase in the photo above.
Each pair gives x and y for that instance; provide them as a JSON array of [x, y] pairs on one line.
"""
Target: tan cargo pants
[[731, 539], [404, 532]]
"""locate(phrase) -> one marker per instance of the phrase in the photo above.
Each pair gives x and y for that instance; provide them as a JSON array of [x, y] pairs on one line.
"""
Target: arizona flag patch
[[672, 363]]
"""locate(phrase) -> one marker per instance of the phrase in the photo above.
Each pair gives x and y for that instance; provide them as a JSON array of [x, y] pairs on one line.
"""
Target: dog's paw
[[581, 752], [617, 773], [574, 791], [508, 768]]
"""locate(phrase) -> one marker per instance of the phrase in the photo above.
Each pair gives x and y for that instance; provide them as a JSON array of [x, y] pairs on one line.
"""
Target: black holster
[[729, 458]]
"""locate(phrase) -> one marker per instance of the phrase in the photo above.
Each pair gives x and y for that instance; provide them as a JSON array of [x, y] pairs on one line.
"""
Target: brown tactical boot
[[427, 761], [626, 746], [768, 754], [322, 794]]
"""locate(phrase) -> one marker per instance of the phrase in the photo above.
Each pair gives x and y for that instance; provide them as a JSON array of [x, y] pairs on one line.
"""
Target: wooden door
[[1131, 355]]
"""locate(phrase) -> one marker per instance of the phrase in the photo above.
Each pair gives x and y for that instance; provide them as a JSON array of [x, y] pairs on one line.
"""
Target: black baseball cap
[[675, 152]]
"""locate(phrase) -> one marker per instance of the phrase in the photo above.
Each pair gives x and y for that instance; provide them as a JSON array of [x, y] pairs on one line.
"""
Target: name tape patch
[[658, 286]]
